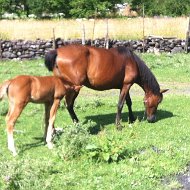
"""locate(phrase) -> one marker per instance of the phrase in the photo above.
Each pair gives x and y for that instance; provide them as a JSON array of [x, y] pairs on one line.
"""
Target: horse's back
[[96, 68], [25, 88]]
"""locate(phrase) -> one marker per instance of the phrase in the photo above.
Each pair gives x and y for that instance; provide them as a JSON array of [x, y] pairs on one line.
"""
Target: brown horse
[[48, 90], [101, 69]]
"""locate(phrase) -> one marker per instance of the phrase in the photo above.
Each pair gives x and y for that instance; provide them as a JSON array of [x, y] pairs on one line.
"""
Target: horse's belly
[[104, 82]]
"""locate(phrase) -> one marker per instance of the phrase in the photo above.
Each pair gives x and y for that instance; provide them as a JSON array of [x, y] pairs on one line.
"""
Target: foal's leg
[[70, 99], [46, 117], [50, 130], [129, 104], [123, 94], [13, 114]]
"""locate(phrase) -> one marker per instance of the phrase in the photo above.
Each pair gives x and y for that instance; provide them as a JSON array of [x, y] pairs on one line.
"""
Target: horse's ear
[[77, 87], [163, 90]]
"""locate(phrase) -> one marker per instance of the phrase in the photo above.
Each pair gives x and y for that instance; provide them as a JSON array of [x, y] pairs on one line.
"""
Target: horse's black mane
[[146, 76]]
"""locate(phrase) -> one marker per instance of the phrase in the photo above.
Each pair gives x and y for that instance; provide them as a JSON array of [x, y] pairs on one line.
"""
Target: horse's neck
[[145, 87]]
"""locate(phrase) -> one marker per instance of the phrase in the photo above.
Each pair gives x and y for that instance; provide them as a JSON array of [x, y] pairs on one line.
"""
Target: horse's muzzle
[[151, 119]]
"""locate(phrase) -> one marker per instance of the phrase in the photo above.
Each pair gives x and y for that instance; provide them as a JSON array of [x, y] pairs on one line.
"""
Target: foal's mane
[[145, 74]]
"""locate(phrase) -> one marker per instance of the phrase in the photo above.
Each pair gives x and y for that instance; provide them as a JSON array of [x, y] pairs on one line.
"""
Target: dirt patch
[[175, 88], [184, 180]]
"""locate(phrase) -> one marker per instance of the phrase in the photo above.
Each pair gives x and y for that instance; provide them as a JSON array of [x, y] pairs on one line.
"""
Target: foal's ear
[[77, 88], [163, 90]]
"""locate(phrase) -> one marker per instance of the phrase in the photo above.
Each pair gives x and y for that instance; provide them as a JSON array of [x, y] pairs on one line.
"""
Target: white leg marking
[[49, 137], [11, 145]]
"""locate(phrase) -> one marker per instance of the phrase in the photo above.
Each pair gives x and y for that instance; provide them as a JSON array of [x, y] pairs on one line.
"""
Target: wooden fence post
[[54, 43], [143, 31], [106, 45], [187, 42], [83, 34], [93, 29], [1, 56]]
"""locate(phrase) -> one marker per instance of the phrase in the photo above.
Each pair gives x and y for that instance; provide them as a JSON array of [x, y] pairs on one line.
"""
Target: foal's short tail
[[4, 89], [50, 59]]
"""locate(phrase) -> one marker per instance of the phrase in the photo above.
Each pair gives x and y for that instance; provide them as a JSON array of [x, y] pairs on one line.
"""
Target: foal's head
[[151, 102]]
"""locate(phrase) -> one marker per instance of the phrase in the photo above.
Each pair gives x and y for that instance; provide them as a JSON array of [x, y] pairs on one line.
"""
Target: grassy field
[[131, 28], [93, 154]]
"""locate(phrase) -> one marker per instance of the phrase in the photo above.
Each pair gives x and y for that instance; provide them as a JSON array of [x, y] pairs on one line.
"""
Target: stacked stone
[[25, 49]]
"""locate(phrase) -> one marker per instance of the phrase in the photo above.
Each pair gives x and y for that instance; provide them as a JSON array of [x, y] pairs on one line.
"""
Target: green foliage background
[[162, 7], [93, 8]]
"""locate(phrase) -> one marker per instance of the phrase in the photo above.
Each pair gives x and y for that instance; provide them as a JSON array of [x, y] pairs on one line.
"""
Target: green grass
[[139, 157], [169, 67]]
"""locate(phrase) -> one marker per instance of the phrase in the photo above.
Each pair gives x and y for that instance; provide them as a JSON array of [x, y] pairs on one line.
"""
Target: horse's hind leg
[[70, 99], [129, 104], [13, 114], [50, 129], [9, 111], [123, 94]]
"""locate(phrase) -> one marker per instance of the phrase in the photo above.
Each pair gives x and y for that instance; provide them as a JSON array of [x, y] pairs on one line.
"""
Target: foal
[[48, 90]]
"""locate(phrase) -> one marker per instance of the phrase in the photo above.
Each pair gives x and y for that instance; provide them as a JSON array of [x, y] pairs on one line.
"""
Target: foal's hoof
[[15, 154], [50, 145]]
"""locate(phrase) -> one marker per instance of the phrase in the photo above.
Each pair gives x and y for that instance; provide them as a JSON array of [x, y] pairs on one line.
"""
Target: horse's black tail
[[50, 59]]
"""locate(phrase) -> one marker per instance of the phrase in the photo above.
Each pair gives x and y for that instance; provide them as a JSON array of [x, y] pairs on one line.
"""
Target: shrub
[[73, 141], [26, 173], [107, 148]]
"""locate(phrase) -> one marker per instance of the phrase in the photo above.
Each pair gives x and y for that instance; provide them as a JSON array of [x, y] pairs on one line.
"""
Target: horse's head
[[151, 102]]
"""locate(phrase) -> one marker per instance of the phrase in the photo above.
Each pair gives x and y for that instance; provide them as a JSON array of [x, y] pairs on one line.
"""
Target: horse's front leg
[[46, 117], [129, 105], [69, 101], [51, 129], [123, 94]]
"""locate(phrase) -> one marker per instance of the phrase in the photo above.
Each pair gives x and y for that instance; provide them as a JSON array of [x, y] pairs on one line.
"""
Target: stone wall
[[22, 49]]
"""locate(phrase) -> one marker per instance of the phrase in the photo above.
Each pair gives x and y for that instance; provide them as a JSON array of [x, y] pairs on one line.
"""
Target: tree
[[39, 7], [177, 7], [162, 7], [92, 8], [36, 7], [4, 6]]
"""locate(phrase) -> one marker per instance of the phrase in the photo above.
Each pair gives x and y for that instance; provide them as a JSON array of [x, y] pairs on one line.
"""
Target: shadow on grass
[[39, 142], [101, 120], [106, 119]]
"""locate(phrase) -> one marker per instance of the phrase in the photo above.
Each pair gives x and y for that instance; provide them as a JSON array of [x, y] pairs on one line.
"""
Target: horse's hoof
[[132, 119], [119, 127]]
